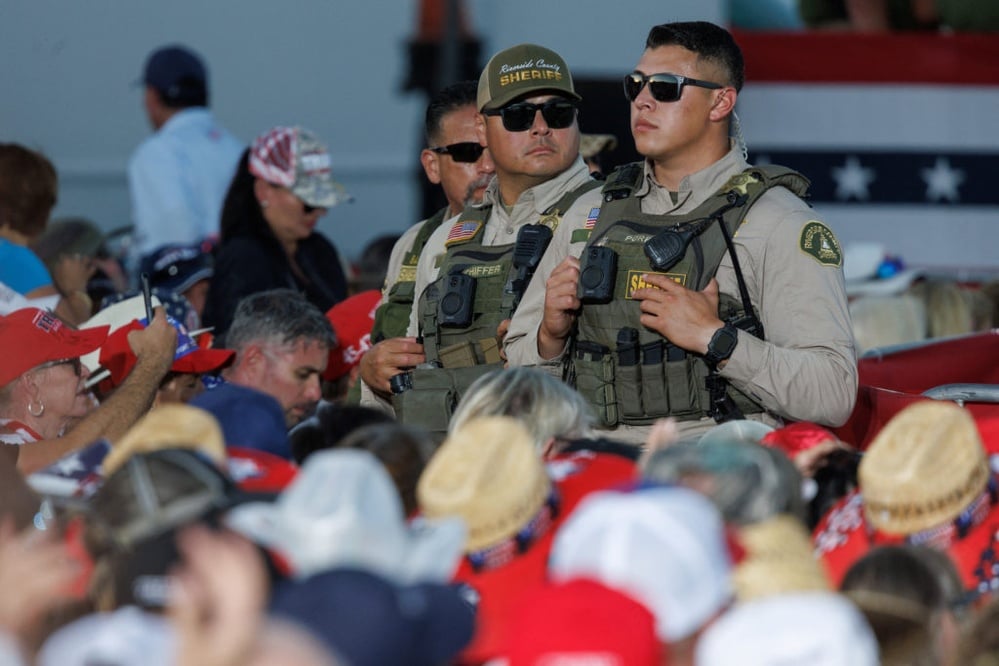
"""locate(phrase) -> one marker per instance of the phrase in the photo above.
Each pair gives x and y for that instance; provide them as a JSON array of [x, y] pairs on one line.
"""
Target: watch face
[[722, 343]]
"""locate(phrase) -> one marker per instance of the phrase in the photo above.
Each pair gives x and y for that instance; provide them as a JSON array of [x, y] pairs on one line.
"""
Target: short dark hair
[[187, 93], [449, 99], [28, 187], [709, 41], [278, 316]]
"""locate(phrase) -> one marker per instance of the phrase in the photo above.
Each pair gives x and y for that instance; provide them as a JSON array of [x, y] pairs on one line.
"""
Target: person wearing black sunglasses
[[456, 160], [473, 271], [710, 290]]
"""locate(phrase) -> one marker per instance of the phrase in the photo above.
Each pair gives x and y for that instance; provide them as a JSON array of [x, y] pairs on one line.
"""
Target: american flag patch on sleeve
[[591, 218], [461, 231]]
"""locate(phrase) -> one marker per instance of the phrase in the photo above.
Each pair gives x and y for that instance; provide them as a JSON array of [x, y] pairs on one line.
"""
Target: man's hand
[[561, 306], [387, 359], [686, 318], [155, 344]]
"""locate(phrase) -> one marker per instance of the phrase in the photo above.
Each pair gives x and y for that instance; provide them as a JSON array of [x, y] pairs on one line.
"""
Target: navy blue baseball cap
[[374, 622], [177, 268], [178, 73], [249, 418]]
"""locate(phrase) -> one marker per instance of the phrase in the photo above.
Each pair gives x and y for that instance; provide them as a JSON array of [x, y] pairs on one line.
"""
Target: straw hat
[[169, 426], [488, 473], [779, 560], [923, 469]]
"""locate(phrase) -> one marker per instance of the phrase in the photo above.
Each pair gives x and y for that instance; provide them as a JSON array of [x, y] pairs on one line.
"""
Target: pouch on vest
[[435, 394]]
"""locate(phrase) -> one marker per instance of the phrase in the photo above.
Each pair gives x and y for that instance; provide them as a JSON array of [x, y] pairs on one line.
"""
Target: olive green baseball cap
[[523, 69]]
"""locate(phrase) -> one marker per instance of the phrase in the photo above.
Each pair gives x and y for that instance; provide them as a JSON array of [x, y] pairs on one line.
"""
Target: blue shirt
[[21, 269], [178, 179]]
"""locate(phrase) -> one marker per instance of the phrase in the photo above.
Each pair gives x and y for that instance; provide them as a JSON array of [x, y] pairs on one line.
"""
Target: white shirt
[[178, 178]]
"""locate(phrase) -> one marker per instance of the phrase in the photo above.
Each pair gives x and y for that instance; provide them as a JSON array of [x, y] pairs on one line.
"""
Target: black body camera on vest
[[597, 275], [455, 307]]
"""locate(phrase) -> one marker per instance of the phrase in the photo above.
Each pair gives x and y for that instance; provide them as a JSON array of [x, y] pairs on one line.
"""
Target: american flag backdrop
[[898, 134]]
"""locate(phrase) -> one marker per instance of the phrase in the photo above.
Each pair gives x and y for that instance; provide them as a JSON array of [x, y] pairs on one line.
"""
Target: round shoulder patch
[[820, 242]]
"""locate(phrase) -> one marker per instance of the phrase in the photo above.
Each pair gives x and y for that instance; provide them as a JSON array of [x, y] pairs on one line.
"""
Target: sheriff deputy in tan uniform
[[796, 360], [456, 160], [536, 162], [528, 120]]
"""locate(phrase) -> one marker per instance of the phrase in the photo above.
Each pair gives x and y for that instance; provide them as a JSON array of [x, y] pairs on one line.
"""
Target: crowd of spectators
[[186, 478]]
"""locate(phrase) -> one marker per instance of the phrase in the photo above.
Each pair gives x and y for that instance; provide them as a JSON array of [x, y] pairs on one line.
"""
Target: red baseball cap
[[582, 622], [30, 337], [797, 437], [190, 358], [352, 320]]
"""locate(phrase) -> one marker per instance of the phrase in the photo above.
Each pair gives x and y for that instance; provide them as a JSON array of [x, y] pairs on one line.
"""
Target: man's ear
[[724, 104], [250, 361], [431, 165]]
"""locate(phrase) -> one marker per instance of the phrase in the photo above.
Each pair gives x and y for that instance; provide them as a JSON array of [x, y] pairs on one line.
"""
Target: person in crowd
[[45, 411], [664, 546], [489, 473], [185, 270], [282, 344], [352, 320], [472, 273], [906, 605], [368, 272], [330, 426], [593, 148], [686, 321], [455, 159], [177, 177], [403, 451], [790, 629], [28, 190], [925, 479], [111, 364], [80, 238], [282, 187], [582, 622], [747, 482]]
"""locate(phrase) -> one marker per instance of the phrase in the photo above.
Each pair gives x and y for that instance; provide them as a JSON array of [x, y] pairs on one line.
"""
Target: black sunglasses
[[466, 151], [664, 87], [558, 114]]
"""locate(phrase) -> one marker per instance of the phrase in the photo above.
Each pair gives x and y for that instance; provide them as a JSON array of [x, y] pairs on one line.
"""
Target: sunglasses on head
[[663, 87], [519, 117], [466, 151]]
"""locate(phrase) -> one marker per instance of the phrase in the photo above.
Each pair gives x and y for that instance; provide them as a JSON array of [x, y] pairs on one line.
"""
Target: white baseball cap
[[342, 510], [664, 546], [817, 628]]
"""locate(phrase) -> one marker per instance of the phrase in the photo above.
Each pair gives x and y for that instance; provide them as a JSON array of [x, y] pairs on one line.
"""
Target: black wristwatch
[[722, 345]]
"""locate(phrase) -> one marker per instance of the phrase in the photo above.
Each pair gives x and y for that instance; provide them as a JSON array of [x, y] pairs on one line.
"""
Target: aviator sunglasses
[[664, 87], [466, 151], [519, 117]]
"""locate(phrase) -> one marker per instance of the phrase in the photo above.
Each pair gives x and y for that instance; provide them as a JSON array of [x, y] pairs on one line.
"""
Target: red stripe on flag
[[850, 57]]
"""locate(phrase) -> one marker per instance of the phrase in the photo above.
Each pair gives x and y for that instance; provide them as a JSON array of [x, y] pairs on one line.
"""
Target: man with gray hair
[[282, 343]]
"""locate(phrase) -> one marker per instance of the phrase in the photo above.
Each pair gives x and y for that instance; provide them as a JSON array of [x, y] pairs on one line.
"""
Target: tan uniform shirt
[[500, 227], [399, 251], [806, 369]]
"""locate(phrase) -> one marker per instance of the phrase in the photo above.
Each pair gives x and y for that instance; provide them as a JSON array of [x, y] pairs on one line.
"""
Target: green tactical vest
[[462, 355], [665, 380], [392, 317]]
